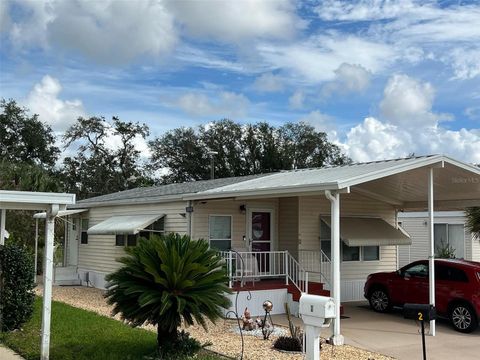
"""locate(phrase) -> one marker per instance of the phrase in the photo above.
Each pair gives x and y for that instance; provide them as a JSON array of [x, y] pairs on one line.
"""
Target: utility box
[[420, 312], [316, 312]]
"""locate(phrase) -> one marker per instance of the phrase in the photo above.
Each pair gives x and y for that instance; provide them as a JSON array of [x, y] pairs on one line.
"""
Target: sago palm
[[166, 279], [473, 221]]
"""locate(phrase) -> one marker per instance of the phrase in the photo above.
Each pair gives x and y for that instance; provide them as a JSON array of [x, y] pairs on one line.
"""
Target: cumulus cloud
[[106, 31], [377, 140], [464, 62], [225, 104], [348, 78], [297, 99], [268, 83], [315, 59], [409, 125], [408, 102], [44, 100], [237, 21]]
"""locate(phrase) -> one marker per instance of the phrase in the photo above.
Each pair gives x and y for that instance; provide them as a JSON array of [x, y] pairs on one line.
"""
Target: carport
[[52, 204], [433, 182]]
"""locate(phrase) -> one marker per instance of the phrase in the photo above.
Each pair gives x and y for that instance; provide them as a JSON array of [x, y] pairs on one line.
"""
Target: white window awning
[[358, 231], [61, 213], [124, 224]]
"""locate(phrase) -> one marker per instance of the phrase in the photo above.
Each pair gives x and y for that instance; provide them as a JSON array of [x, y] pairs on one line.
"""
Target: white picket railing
[[316, 261], [253, 265]]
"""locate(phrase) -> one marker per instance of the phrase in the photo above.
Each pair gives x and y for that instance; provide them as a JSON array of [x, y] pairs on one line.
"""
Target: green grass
[[78, 334]]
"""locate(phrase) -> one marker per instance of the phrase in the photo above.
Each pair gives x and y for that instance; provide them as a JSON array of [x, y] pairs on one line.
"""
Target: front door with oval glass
[[261, 234]]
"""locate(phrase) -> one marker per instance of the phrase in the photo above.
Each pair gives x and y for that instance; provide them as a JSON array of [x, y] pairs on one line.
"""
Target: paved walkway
[[392, 335], [7, 354]]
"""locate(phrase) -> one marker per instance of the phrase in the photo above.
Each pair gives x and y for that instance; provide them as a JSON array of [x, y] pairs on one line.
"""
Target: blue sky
[[383, 78]]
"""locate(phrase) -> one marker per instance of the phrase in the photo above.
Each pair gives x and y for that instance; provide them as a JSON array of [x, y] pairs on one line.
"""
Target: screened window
[[120, 240], [220, 228], [83, 233], [452, 235], [348, 253]]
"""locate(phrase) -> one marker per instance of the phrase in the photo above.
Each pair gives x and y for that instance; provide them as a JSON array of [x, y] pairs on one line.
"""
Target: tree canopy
[[241, 150], [25, 139], [106, 160]]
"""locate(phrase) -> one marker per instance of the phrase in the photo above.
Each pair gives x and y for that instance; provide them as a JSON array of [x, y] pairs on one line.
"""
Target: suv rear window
[[443, 272]]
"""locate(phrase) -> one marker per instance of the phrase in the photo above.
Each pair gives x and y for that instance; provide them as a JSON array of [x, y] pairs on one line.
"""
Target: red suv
[[457, 288]]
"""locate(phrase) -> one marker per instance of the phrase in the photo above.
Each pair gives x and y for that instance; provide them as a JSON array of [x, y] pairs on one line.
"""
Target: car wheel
[[463, 318], [379, 300]]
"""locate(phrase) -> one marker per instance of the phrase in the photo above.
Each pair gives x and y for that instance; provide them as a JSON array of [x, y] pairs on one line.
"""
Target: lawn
[[82, 335]]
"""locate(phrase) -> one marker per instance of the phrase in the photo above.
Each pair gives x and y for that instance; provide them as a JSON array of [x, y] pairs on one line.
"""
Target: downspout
[[189, 214], [337, 337]]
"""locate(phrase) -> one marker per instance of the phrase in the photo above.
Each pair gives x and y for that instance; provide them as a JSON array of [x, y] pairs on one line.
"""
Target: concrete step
[[68, 282]]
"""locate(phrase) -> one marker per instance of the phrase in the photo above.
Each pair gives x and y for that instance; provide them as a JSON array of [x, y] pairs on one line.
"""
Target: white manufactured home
[[282, 233], [449, 229]]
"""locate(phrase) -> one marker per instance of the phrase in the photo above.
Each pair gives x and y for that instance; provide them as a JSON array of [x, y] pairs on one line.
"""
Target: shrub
[[168, 279], [288, 343], [16, 286]]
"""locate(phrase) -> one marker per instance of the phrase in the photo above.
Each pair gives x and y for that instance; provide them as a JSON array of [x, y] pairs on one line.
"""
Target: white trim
[[17, 198], [231, 228], [424, 214], [273, 224]]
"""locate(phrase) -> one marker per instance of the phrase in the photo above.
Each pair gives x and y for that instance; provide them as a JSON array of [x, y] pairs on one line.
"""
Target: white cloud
[[225, 104], [297, 99], [377, 140], [473, 112], [268, 83], [409, 125], [107, 31], [315, 60], [464, 62], [348, 78], [44, 100], [237, 21], [408, 102]]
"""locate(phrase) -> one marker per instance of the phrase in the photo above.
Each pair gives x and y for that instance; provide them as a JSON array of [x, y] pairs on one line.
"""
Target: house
[[313, 229], [449, 229]]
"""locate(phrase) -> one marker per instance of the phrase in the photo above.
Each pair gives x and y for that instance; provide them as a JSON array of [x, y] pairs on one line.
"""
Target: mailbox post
[[316, 312], [422, 313]]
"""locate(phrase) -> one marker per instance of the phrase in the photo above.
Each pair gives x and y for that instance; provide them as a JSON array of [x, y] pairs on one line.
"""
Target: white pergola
[[51, 203]]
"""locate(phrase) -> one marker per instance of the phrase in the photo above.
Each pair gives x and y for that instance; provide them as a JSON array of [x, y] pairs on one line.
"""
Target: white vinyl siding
[[288, 225], [100, 253], [416, 224], [202, 210], [352, 272]]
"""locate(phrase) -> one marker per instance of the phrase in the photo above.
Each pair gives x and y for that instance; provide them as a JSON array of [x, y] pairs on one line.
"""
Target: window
[[451, 235], [84, 229], [417, 270], [131, 240], [447, 273], [348, 253], [371, 253], [220, 228], [120, 240]]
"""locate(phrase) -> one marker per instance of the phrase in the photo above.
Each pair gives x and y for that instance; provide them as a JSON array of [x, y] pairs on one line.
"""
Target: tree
[[473, 220], [241, 150], [107, 159], [25, 139], [168, 279]]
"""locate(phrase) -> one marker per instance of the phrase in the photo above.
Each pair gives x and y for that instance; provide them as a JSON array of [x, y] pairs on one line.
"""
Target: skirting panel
[[277, 297]]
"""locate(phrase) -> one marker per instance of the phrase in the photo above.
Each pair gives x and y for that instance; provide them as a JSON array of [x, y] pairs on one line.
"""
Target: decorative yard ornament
[[267, 326], [248, 323]]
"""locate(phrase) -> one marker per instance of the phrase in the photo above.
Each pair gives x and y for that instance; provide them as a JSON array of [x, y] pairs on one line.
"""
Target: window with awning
[[125, 224], [359, 231]]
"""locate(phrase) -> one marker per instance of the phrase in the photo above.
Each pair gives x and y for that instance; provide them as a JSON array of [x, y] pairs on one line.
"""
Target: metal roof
[[160, 193], [329, 178], [31, 200]]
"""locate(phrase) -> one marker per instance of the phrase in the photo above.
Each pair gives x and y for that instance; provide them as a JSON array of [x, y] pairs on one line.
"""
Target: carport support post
[[2, 226], [47, 281], [36, 251], [431, 257], [337, 338]]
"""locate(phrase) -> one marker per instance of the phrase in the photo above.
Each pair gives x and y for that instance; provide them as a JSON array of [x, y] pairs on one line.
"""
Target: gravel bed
[[222, 335]]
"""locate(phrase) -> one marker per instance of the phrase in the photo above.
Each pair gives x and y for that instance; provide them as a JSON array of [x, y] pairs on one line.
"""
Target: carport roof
[[400, 182]]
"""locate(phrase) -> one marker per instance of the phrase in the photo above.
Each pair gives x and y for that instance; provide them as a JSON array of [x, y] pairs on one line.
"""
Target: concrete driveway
[[392, 335]]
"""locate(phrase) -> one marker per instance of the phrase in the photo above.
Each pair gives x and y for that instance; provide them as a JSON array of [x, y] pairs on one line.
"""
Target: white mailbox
[[316, 312]]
